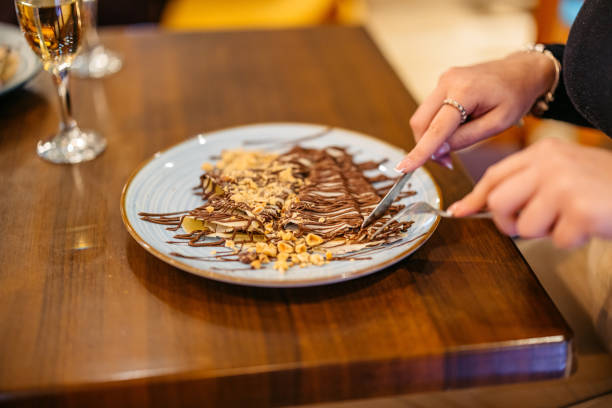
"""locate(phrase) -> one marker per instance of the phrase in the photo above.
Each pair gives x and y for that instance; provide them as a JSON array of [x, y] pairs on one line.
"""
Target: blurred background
[[420, 38]]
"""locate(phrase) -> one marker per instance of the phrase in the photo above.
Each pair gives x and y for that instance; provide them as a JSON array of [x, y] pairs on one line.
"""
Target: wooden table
[[89, 317]]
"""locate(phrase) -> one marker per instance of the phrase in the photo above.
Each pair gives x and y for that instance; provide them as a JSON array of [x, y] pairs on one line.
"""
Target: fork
[[421, 207]]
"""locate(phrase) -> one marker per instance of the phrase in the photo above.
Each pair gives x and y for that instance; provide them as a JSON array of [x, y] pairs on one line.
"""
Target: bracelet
[[541, 104]]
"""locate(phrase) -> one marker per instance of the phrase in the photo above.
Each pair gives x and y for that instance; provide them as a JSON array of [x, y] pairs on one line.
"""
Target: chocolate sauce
[[316, 191]]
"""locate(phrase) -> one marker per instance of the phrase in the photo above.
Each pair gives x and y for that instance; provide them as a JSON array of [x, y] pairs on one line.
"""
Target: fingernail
[[403, 165], [453, 208], [442, 150], [445, 161]]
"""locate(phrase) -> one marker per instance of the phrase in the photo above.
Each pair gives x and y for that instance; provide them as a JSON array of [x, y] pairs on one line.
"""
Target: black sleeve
[[562, 107], [585, 94]]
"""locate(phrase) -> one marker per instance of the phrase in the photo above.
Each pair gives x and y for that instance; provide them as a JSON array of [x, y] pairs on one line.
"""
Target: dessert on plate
[[299, 208]]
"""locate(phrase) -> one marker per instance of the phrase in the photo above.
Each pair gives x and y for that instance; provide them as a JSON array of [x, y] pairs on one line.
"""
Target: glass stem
[[91, 21], [60, 78]]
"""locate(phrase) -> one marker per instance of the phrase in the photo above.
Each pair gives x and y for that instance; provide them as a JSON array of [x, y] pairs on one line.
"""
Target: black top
[[584, 95]]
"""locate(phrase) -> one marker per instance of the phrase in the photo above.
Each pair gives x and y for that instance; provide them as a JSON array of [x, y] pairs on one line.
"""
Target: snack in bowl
[[9, 62], [299, 208]]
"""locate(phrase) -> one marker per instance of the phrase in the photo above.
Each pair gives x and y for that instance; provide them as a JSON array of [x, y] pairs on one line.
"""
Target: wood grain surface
[[88, 317]]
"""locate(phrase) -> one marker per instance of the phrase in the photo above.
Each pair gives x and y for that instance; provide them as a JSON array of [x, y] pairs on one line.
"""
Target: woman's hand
[[551, 188], [494, 94]]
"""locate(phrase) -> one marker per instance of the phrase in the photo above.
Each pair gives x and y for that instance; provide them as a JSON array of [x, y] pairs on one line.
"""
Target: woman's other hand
[[552, 188], [495, 96]]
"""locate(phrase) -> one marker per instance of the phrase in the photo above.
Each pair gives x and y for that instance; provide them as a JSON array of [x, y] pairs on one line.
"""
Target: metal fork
[[421, 207]]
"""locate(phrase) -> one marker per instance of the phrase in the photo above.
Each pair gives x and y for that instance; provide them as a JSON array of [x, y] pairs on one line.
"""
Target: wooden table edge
[[288, 378]]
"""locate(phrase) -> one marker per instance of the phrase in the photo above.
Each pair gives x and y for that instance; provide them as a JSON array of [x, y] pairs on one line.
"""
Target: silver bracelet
[[541, 104]]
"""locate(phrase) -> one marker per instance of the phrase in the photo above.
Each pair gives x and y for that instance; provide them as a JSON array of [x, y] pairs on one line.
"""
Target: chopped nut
[[249, 183], [229, 243], [283, 256], [256, 264], [295, 259], [328, 255], [247, 257], [313, 240], [260, 247], [304, 257], [258, 209], [270, 250], [263, 258], [286, 175], [317, 259], [322, 219], [300, 247], [286, 235], [281, 266], [210, 208], [284, 247], [207, 167]]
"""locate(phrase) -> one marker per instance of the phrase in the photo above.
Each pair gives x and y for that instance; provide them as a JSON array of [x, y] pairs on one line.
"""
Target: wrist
[[548, 69], [535, 70]]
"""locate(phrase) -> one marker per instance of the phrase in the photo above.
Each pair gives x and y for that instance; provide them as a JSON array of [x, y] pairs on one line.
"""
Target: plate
[[165, 184], [29, 64]]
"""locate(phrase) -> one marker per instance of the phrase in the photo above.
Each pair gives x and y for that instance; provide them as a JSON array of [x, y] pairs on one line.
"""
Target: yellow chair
[[220, 14]]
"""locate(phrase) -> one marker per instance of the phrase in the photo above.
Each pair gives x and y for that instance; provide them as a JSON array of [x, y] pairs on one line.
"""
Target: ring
[[460, 108]]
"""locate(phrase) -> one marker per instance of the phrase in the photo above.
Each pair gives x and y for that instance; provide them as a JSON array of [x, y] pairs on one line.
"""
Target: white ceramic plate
[[29, 64], [164, 184]]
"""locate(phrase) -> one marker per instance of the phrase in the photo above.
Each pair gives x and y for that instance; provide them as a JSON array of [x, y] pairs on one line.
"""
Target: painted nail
[[442, 150], [445, 161], [403, 165], [453, 208]]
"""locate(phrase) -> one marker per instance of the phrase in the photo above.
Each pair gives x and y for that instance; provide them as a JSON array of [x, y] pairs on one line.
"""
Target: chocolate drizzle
[[249, 198]]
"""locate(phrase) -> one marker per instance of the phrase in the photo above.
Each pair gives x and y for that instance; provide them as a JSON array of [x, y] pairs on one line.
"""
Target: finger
[[509, 197], [489, 124], [568, 233], [419, 122], [477, 199], [442, 126], [512, 193], [538, 216], [505, 223], [442, 151]]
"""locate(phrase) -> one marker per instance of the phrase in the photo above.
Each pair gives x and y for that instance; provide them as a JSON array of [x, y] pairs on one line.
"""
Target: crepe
[[302, 207]]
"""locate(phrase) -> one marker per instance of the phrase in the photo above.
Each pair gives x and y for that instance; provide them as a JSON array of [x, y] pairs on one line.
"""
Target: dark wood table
[[88, 317]]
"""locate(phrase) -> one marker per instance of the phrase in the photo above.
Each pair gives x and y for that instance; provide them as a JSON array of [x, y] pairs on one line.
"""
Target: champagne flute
[[94, 61], [53, 28]]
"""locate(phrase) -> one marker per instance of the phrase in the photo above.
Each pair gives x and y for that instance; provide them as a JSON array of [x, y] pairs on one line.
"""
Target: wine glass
[[94, 61], [53, 28]]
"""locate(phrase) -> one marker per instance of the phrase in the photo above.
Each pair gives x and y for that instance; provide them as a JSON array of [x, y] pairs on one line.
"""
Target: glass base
[[96, 63], [72, 146]]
